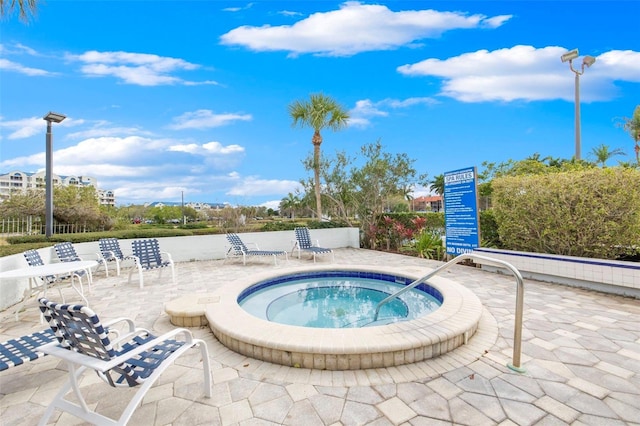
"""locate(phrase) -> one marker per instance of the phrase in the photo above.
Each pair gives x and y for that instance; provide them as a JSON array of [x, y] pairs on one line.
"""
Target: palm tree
[[25, 7], [291, 203], [632, 125], [319, 112], [437, 184], [603, 154]]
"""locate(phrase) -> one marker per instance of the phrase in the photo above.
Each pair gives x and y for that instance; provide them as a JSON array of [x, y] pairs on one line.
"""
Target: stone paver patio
[[581, 352]]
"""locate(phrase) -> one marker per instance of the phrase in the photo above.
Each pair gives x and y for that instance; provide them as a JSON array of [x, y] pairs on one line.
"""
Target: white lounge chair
[[134, 359], [304, 243], [239, 248]]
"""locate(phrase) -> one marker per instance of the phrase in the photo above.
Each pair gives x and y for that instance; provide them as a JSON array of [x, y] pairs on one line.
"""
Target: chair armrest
[[129, 322], [255, 246], [54, 349], [111, 255], [167, 254]]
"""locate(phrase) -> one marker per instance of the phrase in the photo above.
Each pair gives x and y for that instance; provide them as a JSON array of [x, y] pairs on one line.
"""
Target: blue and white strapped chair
[[110, 251], [147, 256], [134, 358], [239, 248], [25, 348], [67, 253], [304, 243], [33, 259]]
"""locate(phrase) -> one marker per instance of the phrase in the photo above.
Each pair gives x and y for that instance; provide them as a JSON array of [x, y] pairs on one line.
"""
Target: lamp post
[[51, 117], [587, 61]]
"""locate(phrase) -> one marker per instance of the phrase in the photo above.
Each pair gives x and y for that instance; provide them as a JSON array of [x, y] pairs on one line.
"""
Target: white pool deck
[[581, 353]]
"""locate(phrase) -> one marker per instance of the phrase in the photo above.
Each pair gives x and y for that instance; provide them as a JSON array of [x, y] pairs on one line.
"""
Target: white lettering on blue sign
[[459, 177]]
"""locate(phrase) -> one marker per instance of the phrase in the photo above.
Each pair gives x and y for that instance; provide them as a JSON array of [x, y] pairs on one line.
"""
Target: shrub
[[589, 213], [429, 245]]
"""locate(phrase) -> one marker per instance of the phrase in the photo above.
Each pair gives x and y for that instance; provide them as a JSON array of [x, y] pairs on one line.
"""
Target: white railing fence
[[33, 225]]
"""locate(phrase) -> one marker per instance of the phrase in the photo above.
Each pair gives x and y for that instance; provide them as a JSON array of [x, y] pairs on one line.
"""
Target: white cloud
[[525, 73], [253, 186], [364, 110], [141, 69], [20, 50], [356, 28], [27, 127], [209, 148], [102, 129], [274, 205], [7, 65], [205, 119]]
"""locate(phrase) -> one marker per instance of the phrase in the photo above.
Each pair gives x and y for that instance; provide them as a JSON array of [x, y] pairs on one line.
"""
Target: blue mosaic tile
[[424, 287]]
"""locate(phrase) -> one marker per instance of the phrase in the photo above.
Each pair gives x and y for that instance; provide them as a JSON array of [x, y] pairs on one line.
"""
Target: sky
[[172, 100]]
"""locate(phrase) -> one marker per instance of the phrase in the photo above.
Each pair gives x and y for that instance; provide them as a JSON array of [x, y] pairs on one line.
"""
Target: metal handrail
[[517, 333]]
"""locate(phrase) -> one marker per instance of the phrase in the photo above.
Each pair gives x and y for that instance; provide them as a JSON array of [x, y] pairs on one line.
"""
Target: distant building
[[23, 181], [431, 203], [196, 206]]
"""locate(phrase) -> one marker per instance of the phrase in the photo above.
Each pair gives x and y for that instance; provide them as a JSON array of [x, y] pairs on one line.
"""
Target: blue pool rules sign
[[461, 211]]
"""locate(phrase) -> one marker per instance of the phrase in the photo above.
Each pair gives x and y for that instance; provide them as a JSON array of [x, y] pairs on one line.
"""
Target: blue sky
[[165, 98]]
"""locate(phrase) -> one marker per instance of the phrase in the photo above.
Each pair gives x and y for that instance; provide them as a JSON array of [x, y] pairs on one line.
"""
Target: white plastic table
[[61, 268]]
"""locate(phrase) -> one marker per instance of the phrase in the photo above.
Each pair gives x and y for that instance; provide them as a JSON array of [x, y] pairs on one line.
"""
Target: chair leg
[[80, 409], [140, 394], [140, 277], [81, 290], [137, 265]]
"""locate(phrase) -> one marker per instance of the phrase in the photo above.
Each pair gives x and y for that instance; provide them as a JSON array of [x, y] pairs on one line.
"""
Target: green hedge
[[589, 213]]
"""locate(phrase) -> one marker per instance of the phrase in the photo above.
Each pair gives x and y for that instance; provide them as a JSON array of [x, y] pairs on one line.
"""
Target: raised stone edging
[[608, 276]]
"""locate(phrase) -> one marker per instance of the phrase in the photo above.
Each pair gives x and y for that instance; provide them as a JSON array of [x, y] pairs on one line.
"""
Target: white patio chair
[[110, 251], [135, 358], [66, 252], [304, 243], [33, 259], [147, 256], [239, 248]]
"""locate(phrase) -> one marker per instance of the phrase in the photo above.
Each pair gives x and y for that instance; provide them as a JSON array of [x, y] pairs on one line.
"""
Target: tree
[[365, 192], [26, 8], [437, 184], [319, 112], [632, 125], [290, 204], [602, 154], [71, 205], [28, 203]]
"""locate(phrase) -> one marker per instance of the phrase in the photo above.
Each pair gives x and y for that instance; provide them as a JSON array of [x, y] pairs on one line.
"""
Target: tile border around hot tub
[[343, 349]]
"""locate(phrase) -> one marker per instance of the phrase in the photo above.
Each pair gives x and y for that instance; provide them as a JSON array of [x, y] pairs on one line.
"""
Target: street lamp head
[[588, 60], [54, 117], [572, 54]]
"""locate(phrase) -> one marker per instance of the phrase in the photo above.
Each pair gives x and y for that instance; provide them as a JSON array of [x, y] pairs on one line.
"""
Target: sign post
[[461, 216]]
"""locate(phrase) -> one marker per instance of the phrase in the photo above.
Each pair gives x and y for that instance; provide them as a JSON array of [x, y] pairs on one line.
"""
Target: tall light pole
[[51, 117], [587, 61]]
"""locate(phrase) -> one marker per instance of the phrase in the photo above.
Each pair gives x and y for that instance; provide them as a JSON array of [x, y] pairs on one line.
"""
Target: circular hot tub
[[396, 342]]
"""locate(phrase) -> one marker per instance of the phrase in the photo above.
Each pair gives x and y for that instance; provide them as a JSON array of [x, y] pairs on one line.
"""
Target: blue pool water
[[337, 299]]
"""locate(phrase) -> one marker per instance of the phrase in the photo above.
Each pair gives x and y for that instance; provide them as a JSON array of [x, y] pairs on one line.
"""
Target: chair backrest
[[33, 258], [66, 252], [78, 328], [110, 247], [303, 237], [147, 251], [236, 243]]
